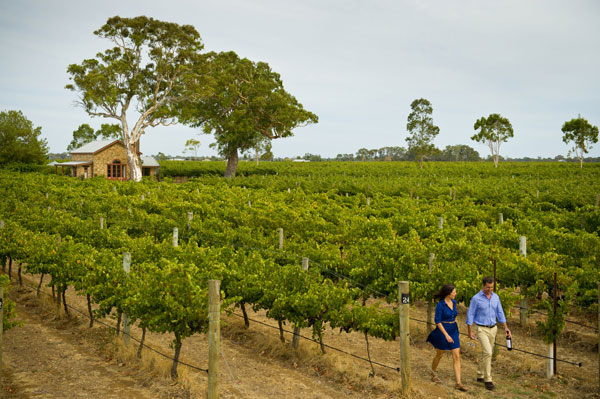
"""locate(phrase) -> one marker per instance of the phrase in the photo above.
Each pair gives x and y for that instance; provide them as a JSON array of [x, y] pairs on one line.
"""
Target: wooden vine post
[[404, 334], [214, 337], [296, 337], [523, 307], [1, 326], [500, 218], [190, 216], [430, 302], [555, 310], [175, 236], [126, 328], [280, 238]]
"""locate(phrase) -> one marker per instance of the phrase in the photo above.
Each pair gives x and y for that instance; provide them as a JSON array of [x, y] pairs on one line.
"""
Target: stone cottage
[[105, 158]]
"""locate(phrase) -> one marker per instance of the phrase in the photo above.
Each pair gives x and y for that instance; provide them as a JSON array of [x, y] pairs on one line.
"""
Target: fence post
[[1, 325], [441, 222], [404, 334], [554, 349], [430, 302], [190, 216], [214, 337], [597, 200], [280, 238], [126, 329], [523, 307], [101, 223], [550, 362], [175, 236], [296, 337], [500, 218]]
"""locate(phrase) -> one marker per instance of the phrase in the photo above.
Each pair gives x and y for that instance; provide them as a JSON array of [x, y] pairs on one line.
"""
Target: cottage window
[[115, 170]]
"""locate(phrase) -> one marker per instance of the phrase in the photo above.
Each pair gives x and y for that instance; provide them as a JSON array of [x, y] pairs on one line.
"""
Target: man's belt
[[482, 325]]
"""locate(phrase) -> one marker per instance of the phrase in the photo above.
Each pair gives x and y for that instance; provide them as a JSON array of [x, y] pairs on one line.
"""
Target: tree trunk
[[176, 357], [40, 284], [257, 156], [119, 315], [10, 268], [232, 164], [20, 278], [281, 337], [89, 303], [496, 160], [421, 162], [64, 299], [246, 321], [581, 163], [321, 341], [133, 162], [139, 352]]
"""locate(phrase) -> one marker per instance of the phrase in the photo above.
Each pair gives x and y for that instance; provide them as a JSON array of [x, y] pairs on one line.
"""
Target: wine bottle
[[508, 343]]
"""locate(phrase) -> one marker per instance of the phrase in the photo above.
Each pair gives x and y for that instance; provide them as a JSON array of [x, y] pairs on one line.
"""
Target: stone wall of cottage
[[106, 157]]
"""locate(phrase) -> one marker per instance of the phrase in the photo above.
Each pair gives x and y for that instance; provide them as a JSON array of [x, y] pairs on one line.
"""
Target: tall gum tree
[[493, 131], [247, 104], [582, 134], [421, 129], [152, 67]]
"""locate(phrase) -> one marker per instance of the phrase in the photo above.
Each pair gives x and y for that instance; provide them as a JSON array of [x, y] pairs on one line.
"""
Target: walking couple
[[485, 308]]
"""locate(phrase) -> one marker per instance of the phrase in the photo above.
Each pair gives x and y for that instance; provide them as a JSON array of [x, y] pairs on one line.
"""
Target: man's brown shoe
[[479, 379], [489, 386]]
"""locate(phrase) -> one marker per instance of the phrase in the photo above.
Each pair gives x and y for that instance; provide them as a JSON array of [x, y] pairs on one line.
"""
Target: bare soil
[[57, 356]]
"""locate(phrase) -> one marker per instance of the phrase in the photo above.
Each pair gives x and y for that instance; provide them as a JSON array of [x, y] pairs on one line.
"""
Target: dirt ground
[[55, 356]]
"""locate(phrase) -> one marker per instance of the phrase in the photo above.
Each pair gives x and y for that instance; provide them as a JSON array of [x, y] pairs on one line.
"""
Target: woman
[[445, 335]]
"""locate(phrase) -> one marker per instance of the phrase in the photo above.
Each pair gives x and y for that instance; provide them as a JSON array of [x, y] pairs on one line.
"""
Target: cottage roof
[[70, 163], [149, 162], [95, 146]]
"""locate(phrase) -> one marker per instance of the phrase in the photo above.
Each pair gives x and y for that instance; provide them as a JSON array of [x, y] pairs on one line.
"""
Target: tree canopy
[[85, 134], [582, 134], [493, 131], [152, 67], [247, 104], [20, 141], [421, 129]]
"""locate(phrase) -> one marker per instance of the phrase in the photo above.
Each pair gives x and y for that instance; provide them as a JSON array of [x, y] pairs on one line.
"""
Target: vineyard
[[319, 246]]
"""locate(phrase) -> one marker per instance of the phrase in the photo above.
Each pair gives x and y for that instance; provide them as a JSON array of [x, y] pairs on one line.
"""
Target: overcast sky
[[357, 64]]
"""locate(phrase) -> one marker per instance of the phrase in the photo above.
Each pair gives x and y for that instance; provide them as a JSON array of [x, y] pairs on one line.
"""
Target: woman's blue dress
[[446, 316]]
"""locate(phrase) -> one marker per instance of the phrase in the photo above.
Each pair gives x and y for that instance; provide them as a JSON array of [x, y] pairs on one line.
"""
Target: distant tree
[[344, 157], [263, 146], [161, 157], [86, 134], [582, 134], [267, 153], [248, 104], [20, 142], [363, 154], [191, 146], [459, 152], [151, 67], [421, 129], [312, 157], [493, 131]]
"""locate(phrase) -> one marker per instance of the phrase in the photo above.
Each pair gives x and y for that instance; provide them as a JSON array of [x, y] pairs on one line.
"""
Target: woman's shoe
[[461, 387], [435, 378]]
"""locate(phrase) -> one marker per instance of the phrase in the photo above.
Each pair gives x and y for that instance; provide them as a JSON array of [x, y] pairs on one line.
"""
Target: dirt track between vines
[[52, 356]]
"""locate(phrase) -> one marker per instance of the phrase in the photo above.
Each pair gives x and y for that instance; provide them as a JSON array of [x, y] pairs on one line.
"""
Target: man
[[485, 308]]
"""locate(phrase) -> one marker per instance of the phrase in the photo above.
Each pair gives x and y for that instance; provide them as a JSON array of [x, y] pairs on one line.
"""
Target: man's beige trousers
[[487, 338]]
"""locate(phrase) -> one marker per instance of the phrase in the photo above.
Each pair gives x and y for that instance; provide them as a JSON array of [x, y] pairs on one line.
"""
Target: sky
[[358, 65]]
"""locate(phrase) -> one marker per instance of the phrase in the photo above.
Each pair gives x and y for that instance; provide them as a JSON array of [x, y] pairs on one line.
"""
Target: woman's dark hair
[[444, 291]]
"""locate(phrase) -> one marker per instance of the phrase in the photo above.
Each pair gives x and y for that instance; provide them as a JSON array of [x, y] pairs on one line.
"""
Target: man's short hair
[[487, 280]]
